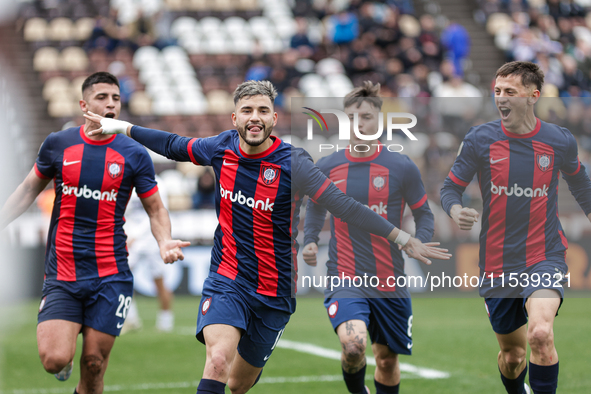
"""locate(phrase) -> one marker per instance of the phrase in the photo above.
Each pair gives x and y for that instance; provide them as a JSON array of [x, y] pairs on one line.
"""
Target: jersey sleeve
[[310, 180], [462, 172], [175, 147], [415, 195], [145, 177], [315, 216], [44, 165], [576, 177]]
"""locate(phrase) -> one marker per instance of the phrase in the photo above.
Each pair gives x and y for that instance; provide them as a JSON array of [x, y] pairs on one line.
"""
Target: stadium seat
[[210, 24], [46, 59], [235, 25], [247, 5], [61, 29], [223, 5], [183, 25], [76, 87], [195, 106], [242, 45], [164, 106], [498, 22], [197, 5], [73, 59], [174, 54], [286, 26], [35, 29], [175, 5], [145, 55], [219, 102], [140, 104], [62, 107], [83, 28], [56, 86], [329, 66]]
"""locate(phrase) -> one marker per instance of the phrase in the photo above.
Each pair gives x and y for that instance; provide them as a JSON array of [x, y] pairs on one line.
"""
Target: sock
[[209, 386], [257, 379], [543, 379], [355, 381], [515, 386], [383, 389], [75, 392]]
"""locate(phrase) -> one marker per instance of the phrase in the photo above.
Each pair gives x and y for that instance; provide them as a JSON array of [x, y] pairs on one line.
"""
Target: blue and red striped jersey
[[385, 182], [93, 181], [258, 201], [518, 176]]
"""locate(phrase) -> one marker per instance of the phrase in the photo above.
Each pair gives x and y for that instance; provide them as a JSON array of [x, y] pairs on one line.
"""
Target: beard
[[266, 132]]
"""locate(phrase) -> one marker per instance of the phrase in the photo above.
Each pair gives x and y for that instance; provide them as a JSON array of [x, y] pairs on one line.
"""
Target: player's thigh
[[96, 346], [222, 338], [57, 339], [515, 341], [385, 357], [345, 315], [107, 304], [353, 331], [243, 374], [542, 306], [391, 323]]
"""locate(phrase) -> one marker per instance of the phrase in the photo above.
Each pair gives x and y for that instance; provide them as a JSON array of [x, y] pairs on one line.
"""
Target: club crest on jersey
[[379, 181], [114, 169], [205, 306], [333, 309], [269, 174], [544, 161]]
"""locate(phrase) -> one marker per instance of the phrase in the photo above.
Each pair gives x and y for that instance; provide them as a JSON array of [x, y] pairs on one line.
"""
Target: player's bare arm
[[170, 250], [22, 198], [464, 217], [309, 253]]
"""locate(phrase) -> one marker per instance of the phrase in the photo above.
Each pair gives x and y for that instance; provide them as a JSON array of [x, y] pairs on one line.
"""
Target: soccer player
[[88, 285], [248, 296], [518, 160], [385, 181]]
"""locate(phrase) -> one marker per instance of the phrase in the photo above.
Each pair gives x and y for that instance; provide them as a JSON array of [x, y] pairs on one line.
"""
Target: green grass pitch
[[450, 334]]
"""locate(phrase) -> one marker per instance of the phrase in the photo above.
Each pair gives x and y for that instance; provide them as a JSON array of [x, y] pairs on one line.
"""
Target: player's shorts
[[261, 319], [99, 303], [388, 320], [507, 314]]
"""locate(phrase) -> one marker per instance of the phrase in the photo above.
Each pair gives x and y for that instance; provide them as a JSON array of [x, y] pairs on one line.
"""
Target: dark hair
[[255, 88], [99, 77], [530, 73], [368, 92]]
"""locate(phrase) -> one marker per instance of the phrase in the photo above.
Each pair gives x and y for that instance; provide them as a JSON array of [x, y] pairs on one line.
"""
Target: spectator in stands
[[456, 40], [300, 39], [204, 197], [343, 27]]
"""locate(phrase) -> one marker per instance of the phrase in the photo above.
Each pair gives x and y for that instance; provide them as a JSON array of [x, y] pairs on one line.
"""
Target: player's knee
[[238, 386], [354, 351], [219, 363], [387, 363], [54, 362], [540, 336], [93, 364], [514, 357]]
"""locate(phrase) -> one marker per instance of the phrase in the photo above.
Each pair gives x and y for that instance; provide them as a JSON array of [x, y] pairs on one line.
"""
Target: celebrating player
[[518, 160], [247, 298], [88, 285], [385, 181]]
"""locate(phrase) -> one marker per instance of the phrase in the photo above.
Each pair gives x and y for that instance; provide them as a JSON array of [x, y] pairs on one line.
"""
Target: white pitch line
[[303, 347]]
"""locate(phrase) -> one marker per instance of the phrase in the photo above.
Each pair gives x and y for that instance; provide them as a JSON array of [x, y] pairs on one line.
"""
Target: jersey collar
[[95, 142], [362, 159], [527, 135], [268, 151]]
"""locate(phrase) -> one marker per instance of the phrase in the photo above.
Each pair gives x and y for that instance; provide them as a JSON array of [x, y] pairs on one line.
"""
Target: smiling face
[[254, 119], [514, 100]]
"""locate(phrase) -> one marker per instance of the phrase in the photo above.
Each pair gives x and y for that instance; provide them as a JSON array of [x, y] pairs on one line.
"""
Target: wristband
[[114, 126], [402, 238]]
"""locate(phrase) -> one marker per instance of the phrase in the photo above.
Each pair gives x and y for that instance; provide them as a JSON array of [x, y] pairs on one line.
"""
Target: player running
[[385, 181], [88, 285], [518, 160], [248, 297]]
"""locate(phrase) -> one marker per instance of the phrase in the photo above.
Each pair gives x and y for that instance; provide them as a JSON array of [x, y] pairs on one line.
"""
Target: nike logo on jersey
[[266, 357], [409, 345], [339, 181], [229, 164], [69, 163], [496, 161], [119, 325]]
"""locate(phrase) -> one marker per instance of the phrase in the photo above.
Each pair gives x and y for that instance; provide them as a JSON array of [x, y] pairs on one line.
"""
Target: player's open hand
[[171, 251], [464, 217], [309, 253], [108, 125], [425, 251]]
